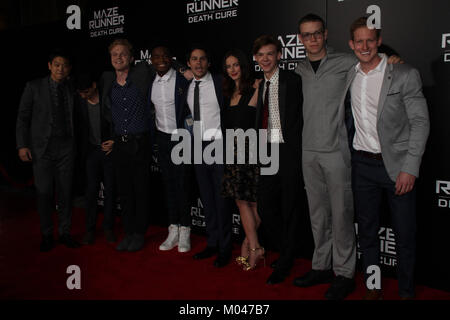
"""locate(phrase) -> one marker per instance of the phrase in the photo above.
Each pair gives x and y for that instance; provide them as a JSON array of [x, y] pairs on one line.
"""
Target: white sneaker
[[172, 238], [185, 239]]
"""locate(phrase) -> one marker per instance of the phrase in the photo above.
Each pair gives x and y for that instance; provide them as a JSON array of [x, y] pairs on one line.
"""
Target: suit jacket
[[402, 120], [181, 86], [141, 75], [290, 102], [34, 118]]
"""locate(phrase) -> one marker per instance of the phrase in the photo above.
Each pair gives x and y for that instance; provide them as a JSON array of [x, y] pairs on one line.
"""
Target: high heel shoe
[[247, 266], [241, 260]]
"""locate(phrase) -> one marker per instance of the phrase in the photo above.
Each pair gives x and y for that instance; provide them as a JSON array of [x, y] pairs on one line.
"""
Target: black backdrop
[[415, 29]]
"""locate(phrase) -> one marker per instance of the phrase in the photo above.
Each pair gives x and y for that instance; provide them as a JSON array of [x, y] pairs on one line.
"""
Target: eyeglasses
[[317, 35]]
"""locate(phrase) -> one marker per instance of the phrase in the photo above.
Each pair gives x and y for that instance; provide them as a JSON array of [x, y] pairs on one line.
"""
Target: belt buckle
[[124, 138]]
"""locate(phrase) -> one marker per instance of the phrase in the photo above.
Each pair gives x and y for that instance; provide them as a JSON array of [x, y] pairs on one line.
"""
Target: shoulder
[[290, 76]]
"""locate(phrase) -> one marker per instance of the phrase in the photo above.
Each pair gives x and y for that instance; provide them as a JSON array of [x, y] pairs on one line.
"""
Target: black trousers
[[132, 167], [278, 206], [370, 180], [99, 167], [173, 177], [217, 216], [55, 168]]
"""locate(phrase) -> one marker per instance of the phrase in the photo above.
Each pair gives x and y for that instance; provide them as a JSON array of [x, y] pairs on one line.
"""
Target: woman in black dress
[[240, 180]]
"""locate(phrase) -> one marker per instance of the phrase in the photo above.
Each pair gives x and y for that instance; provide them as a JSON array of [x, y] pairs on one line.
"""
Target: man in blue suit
[[167, 87]]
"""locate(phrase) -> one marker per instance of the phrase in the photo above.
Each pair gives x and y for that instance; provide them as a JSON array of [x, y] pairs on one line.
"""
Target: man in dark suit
[[388, 124], [279, 111], [95, 153], [205, 100], [45, 137], [167, 88]]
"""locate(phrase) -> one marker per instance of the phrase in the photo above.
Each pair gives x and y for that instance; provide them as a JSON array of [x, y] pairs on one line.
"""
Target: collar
[[165, 78], [274, 76], [379, 68], [206, 77]]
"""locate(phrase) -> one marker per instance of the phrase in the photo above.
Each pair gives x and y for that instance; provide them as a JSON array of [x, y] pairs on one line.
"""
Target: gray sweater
[[322, 93]]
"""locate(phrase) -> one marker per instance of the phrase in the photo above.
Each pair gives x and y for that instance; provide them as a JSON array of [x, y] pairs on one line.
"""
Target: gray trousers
[[330, 199]]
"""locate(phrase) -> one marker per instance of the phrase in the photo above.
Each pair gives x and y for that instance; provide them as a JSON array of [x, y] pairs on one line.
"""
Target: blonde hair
[[121, 42]]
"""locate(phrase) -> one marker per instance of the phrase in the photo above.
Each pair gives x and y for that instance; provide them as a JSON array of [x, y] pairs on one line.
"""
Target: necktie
[[197, 101], [266, 107]]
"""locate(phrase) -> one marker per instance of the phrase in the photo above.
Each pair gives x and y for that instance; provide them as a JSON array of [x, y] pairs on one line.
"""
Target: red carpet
[[25, 273]]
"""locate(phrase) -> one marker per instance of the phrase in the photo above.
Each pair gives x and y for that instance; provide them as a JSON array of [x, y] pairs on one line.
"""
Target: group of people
[[346, 128]]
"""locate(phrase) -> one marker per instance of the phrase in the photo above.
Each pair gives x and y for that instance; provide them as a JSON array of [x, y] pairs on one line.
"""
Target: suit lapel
[[282, 88], [45, 91], [387, 80]]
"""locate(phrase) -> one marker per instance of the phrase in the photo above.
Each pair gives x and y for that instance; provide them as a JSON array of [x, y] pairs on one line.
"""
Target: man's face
[[198, 62], [161, 60], [59, 68], [121, 58], [267, 58], [88, 93], [365, 44], [313, 36]]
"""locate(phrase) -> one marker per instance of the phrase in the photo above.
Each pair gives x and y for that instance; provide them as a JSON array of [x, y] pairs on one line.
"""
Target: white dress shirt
[[209, 107], [365, 96], [163, 97], [274, 124]]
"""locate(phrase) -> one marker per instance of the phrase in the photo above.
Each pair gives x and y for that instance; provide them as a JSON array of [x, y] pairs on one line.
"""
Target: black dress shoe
[[68, 241], [137, 243], [314, 277], [88, 238], [340, 288], [126, 241], [276, 277], [206, 253], [222, 260], [47, 243]]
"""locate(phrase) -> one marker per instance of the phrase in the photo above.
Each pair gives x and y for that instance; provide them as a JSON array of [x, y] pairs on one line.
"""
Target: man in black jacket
[[279, 111], [95, 152], [44, 136]]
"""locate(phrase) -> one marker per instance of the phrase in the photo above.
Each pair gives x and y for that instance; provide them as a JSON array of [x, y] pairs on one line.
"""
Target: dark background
[[412, 28]]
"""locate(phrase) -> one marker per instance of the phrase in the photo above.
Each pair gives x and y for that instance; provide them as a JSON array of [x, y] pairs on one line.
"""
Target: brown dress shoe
[[374, 294]]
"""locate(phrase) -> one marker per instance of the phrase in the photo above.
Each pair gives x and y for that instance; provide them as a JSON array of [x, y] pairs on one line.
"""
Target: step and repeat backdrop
[[416, 30]]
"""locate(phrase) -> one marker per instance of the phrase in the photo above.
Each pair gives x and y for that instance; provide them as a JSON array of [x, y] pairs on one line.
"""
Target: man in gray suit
[[45, 137], [388, 128]]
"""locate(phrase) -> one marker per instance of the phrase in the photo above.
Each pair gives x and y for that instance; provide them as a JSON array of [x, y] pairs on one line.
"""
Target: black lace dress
[[240, 180]]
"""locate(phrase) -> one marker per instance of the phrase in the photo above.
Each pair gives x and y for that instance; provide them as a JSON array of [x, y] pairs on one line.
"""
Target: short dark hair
[[265, 40], [59, 52], [361, 22], [311, 17], [84, 81], [198, 46], [163, 46]]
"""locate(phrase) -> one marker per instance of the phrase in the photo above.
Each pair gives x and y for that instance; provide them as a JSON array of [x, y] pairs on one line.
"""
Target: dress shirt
[[209, 107], [365, 92], [274, 134], [129, 112], [163, 97]]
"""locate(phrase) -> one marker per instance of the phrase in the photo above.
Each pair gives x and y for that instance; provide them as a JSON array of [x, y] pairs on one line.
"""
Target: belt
[[129, 137], [376, 156]]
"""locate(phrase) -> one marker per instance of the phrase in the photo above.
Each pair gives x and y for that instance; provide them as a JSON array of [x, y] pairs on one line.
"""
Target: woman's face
[[233, 68]]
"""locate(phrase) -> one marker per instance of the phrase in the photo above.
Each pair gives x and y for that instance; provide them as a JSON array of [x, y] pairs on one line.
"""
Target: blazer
[[290, 102], [403, 123], [34, 118]]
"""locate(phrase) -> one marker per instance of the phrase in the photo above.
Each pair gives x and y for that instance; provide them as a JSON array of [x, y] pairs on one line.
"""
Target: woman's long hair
[[246, 81]]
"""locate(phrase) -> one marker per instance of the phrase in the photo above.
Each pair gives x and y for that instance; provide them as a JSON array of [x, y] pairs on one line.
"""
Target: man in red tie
[[279, 111]]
